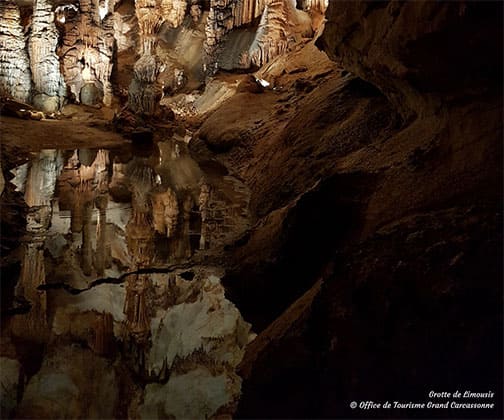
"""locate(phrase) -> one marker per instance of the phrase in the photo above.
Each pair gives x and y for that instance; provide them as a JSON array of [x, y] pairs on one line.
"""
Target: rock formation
[[144, 93], [87, 53], [48, 85], [338, 193], [15, 78]]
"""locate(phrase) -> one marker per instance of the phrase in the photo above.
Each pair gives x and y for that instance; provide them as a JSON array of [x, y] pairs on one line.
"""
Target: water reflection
[[123, 214]]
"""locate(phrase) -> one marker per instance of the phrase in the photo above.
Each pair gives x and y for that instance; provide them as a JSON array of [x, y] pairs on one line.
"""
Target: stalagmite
[[15, 78], [49, 87]]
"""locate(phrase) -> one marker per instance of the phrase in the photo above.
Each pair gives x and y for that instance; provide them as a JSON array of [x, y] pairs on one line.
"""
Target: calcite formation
[[144, 94], [275, 32], [278, 28], [15, 78], [174, 11], [87, 53], [48, 84], [73, 48]]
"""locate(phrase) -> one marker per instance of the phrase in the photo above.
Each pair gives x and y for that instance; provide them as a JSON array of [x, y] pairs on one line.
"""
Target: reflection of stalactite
[[139, 231], [183, 249], [204, 198], [139, 236], [42, 178], [100, 165], [32, 276], [87, 245], [103, 257], [135, 307], [103, 340], [165, 212]]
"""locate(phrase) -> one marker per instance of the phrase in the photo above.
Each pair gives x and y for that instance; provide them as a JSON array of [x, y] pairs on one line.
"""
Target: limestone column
[[144, 94], [15, 77], [48, 85]]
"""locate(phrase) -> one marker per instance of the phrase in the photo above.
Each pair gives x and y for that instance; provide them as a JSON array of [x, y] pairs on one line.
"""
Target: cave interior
[[216, 209]]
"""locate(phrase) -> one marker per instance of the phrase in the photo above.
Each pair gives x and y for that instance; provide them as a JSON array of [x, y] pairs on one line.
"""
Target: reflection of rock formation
[[84, 186], [39, 191], [165, 212], [15, 77], [34, 324], [200, 343], [48, 85], [103, 339], [136, 307], [139, 231], [87, 51], [204, 199]]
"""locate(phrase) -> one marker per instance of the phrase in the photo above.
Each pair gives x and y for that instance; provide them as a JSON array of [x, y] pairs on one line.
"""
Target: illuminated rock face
[[15, 77], [144, 94], [201, 341], [87, 53], [73, 48], [48, 85], [174, 11]]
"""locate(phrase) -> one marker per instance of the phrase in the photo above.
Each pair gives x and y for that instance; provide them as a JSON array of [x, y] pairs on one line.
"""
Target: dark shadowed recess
[[312, 231]]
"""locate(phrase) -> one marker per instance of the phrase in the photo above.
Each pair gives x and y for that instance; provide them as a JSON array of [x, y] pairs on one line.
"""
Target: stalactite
[[224, 16], [317, 5], [274, 34], [87, 53], [15, 78], [173, 11], [144, 94], [48, 84]]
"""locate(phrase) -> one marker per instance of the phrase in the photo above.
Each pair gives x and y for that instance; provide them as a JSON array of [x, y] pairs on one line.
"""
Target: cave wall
[[411, 291], [418, 53], [95, 52]]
